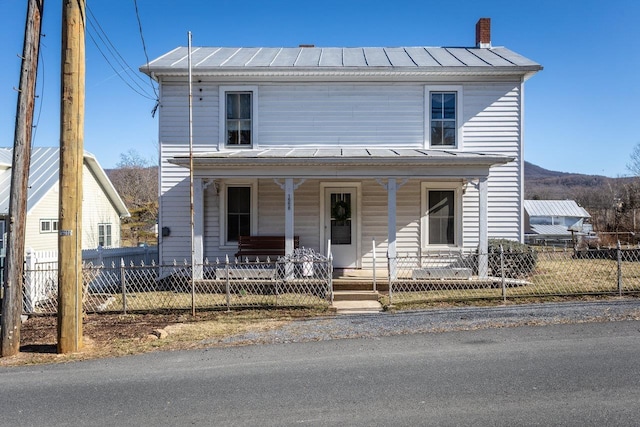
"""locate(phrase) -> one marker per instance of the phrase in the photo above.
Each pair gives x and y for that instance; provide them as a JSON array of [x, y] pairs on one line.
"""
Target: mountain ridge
[[545, 184]]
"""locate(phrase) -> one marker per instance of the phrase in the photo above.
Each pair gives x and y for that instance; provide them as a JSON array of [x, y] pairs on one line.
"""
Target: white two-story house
[[419, 148]]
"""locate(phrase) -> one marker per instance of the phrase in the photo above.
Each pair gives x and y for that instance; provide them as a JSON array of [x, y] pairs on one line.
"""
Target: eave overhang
[[307, 163]]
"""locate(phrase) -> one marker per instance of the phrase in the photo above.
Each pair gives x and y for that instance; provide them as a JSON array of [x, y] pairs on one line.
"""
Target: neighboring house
[[420, 148], [554, 221], [102, 207]]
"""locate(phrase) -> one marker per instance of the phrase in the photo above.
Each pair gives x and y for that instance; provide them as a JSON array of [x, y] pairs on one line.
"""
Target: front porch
[[339, 200]]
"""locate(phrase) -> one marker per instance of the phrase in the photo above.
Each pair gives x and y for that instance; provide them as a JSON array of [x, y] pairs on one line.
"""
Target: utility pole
[[71, 161], [14, 266]]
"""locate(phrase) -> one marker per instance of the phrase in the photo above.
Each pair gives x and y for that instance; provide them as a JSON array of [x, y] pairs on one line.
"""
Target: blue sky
[[581, 111]]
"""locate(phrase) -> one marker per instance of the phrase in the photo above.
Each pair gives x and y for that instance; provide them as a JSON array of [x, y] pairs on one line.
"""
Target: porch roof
[[345, 161]]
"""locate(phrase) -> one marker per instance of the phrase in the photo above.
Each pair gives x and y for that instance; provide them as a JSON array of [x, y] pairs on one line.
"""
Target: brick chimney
[[483, 33]]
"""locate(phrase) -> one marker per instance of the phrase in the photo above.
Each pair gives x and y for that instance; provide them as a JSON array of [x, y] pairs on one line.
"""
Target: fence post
[[391, 278], [123, 284], [504, 287], [619, 256], [374, 265], [29, 282], [228, 292]]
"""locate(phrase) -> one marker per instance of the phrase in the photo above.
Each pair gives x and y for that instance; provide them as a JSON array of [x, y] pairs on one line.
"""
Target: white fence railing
[[41, 269], [113, 257]]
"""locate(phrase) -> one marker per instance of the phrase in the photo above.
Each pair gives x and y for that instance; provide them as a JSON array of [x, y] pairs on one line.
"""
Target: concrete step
[[355, 296], [350, 284], [357, 307]]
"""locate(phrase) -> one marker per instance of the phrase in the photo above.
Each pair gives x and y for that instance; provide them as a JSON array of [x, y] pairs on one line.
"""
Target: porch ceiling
[[343, 162]]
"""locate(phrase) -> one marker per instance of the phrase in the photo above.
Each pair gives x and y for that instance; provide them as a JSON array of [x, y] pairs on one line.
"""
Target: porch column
[[483, 226], [288, 216], [391, 227], [198, 227]]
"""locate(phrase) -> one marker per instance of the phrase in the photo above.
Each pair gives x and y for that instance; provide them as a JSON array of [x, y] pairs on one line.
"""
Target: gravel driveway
[[433, 321]]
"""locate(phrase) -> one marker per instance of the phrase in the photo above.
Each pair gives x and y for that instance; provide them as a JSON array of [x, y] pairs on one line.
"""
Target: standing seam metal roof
[[340, 57], [566, 208], [44, 175]]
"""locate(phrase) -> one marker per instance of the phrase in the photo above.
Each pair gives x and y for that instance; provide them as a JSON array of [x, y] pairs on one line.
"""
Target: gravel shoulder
[[438, 320]]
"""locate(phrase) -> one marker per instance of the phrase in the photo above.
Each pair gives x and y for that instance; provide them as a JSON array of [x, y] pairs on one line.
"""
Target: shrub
[[519, 259]]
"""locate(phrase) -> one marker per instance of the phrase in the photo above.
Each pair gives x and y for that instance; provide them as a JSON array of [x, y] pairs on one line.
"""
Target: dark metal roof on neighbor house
[[44, 175], [330, 59]]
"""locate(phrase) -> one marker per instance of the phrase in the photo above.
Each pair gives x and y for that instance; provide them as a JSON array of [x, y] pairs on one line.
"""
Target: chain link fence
[[301, 279], [459, 276], [305, 279]]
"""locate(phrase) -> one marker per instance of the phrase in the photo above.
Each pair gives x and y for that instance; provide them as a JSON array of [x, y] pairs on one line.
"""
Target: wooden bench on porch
[[263, 247]]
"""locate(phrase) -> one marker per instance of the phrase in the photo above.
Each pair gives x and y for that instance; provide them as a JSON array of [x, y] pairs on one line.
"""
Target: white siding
[[492, 126], [47, 208], [341, 114], [174, 140], [97, 209], [324, 114]]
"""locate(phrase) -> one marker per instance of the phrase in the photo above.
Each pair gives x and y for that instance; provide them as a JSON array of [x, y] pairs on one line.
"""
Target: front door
[[340, 225]]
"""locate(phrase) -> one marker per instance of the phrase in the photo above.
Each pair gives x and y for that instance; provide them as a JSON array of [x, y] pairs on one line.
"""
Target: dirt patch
[[112, 335]]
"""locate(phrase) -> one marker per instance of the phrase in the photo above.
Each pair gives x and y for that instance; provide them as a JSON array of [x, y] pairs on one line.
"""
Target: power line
[[123, 70], [144, 46], [112, 49], [41, 96]]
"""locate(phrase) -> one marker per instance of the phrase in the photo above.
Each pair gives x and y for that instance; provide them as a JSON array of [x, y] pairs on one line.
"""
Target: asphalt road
[[585, 374]]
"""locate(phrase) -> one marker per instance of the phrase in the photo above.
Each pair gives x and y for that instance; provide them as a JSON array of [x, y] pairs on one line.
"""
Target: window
[[441, 222], [48, 226], [443, 122], [239, 118], [104, 235], [238, 212], [2, 235], [443, 119], [441, 217]]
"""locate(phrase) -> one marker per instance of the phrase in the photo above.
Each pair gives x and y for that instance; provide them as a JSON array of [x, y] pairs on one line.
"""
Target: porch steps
[[356, 302], [351, 284]]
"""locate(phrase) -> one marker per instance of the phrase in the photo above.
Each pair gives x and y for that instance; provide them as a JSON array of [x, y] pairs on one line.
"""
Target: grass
[[555, 275]]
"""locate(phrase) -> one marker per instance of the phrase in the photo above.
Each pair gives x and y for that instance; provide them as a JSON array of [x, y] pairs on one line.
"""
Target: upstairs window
[[104, 235], [239, 119], [443, 106]]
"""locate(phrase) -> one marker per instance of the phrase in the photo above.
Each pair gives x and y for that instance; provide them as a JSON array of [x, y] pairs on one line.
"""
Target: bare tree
[[136, 180], [634, 161]]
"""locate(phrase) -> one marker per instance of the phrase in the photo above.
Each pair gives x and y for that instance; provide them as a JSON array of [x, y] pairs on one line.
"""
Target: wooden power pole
[[14, 266], [71, 161]]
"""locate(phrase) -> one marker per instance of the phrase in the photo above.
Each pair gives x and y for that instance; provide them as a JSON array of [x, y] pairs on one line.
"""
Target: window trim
[[458, 89], [425, 188], [2, 235], [222, 123], [53, 225], [110, 234], [253, 184]]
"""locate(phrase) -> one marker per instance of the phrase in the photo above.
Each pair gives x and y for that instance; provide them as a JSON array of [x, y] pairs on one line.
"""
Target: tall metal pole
[[14, 266], [71, 161], [191, 213]]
